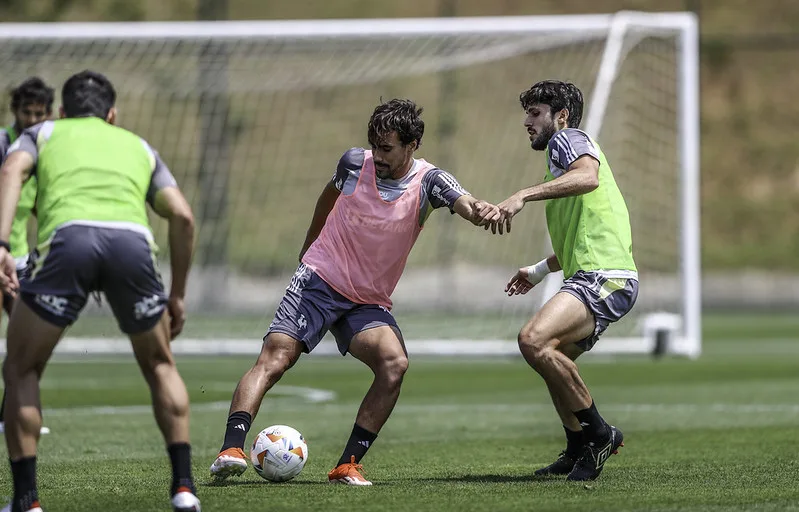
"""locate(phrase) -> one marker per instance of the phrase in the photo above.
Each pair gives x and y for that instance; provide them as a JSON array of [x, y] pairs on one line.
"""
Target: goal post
[[297, 94], [687, 329]]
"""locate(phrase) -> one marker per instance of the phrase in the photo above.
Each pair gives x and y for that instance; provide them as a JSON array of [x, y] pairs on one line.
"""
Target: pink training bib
[[365, 242]]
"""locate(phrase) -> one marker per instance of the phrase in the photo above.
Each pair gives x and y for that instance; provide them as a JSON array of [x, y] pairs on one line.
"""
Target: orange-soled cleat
[[230, 462], [348, 473]]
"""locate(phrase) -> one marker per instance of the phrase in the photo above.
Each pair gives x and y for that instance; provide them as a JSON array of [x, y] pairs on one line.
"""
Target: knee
[[392, 369], [274, 361], [535, 347]]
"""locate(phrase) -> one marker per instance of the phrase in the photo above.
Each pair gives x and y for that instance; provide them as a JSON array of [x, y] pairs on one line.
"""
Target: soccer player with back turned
[[94, 181], [31, 103], [591, 237]]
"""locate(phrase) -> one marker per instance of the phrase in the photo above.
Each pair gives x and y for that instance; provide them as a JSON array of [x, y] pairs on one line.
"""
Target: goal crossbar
[[613, 29], [592, 23]]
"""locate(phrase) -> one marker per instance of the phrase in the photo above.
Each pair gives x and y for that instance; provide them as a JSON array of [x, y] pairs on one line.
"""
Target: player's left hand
[[519, 284], [8, 273]]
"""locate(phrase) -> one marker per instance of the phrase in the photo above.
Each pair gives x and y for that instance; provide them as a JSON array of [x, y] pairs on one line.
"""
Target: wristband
[[536, 273], [5, 245]]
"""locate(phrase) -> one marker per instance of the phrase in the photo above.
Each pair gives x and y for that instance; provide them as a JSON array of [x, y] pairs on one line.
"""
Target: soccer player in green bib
[[591, 237], [94, 180], [31, 103]]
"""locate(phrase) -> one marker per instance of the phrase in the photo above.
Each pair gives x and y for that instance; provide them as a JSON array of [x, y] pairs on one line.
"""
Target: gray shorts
[[310, 307], [83, 259], [608, 299]]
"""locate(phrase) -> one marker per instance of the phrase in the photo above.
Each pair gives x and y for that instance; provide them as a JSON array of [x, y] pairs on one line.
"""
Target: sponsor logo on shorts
[[52, 303], [302, 323], [147, 307]]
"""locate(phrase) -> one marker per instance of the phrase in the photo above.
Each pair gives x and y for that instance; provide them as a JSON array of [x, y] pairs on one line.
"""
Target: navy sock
[[359, 442], [180, 456], [26, 495], [238, 424], [574, 442], [593, 425]]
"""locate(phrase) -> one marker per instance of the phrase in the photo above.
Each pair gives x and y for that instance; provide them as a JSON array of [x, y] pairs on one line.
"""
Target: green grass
[[713, 434]]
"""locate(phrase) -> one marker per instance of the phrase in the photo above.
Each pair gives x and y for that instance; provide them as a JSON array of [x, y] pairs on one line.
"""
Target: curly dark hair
[[558, 95], [88, 94], [401, 116], [33, 91]]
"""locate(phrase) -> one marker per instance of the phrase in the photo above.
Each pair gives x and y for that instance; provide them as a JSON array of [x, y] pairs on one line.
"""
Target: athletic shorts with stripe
[[608, 298], [81, 259], [310, 307]]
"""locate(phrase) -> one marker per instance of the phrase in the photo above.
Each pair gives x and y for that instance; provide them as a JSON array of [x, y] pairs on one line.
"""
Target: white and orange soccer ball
[[279, 453]]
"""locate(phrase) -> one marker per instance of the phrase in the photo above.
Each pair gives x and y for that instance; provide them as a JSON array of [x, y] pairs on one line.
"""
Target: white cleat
[[44, 430], [231, 462], [185, 502]]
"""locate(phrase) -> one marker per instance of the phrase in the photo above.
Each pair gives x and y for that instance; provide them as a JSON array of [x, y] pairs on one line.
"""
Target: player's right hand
[[519, 284], [487, 215], [177, 315], [8, 273]]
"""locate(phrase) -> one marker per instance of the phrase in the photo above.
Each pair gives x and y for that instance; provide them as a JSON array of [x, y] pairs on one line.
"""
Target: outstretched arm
[[573, 160], [581, 178], [469, 207], [441, 189], [324, 205]]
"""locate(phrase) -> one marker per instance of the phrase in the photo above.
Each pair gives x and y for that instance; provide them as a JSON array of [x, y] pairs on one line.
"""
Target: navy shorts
[[81, 259], [608, 298], [311, 307]]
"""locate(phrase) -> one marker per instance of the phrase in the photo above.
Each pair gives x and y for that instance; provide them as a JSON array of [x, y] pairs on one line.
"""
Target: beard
[[542, 140], [383, 172]]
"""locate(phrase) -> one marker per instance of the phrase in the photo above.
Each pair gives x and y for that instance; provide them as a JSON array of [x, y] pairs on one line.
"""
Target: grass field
[[715, 434]]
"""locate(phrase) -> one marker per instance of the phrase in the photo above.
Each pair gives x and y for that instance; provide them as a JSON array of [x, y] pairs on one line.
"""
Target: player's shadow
[[260, 483], [493, 479]]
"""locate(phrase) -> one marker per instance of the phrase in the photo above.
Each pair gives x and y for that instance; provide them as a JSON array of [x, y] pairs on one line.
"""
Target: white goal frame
[[614, 27]]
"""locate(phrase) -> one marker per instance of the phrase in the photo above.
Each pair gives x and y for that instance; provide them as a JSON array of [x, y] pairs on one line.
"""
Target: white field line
[[320, 398], [252, 346], [309, 395]]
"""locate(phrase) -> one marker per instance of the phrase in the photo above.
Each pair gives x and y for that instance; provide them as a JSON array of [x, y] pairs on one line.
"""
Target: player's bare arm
[[581, 178], [14, 172], [470, 207], [526, 278], [170, 204], [324, 205]]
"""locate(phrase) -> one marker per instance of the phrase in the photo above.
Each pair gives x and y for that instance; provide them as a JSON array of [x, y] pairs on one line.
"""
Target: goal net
[[252, 117]]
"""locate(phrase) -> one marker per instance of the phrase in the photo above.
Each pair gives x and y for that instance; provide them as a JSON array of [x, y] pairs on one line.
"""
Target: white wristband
[[536, 273]]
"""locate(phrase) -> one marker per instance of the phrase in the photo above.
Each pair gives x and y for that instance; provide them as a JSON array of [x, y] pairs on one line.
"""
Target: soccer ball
[[279, 453]]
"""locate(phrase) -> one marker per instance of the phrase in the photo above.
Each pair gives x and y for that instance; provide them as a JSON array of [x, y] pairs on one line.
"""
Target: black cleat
[[595, 454], [562, 466]]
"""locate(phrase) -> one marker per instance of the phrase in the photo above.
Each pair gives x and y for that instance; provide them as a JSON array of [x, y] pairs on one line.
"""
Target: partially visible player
[[31, 103], [366, 222], [93, 235], [590, 231]]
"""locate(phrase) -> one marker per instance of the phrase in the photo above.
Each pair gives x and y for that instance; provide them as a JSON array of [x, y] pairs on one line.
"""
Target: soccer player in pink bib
[[365, 224]]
